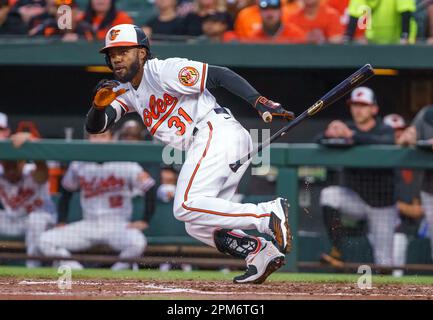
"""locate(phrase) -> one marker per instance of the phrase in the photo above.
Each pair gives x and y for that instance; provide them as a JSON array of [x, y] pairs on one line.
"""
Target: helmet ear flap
[[108, 62]]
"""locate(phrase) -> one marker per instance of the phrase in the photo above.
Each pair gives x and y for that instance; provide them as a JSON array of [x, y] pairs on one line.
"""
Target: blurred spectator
[[215, 28], [421, 132], [391, 21], [249, 20], [192, 23], [429, 10], [167, 22], [131, 130], [408, 201], [48, 27], [320, 22], [5, 131], [102, 15], [274, 29], [15, 16], [168, 181], [106, 193], [342, 6], [28, 209], [365, 194]]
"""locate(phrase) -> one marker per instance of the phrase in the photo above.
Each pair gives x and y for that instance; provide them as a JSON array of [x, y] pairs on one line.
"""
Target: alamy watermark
[[64, 282], [365, 280], [64, 17], [233, 149]]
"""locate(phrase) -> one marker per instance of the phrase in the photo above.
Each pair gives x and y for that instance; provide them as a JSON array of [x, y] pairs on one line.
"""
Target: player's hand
[[269, 109], [338, 129], [408, 137], [139, 225], [19, 138], [106, 92]]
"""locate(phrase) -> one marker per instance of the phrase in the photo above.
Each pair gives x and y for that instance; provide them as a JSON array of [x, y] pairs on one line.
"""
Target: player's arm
[[231, 81], [63, 206], [106, 108], [40, 174]]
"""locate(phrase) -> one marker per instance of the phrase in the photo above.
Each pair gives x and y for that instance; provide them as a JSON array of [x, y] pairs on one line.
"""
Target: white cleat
[[261, 264], [279, 224]]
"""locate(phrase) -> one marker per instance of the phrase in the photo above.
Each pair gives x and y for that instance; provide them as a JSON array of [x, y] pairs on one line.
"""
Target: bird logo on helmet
[[125, 35]]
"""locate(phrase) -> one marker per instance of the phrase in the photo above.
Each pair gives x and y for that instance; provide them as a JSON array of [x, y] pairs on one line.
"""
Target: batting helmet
[[125, 35]]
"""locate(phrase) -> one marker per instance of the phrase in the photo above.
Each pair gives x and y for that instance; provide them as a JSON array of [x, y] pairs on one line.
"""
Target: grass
[[51, 273]]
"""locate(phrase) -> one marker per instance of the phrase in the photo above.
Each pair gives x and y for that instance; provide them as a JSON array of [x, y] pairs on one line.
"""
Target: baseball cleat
[[261, 264], [279, 224]]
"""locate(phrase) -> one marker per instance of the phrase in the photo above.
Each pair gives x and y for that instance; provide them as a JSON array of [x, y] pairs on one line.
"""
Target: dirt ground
[[12, 288]]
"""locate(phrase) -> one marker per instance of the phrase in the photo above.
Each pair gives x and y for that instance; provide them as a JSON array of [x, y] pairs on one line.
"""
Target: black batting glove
[[269, 109]]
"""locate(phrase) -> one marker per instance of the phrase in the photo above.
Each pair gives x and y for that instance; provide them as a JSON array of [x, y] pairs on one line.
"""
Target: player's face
[[362, 113], [270, 16], [13, 170], [126, 62], [311, 2]]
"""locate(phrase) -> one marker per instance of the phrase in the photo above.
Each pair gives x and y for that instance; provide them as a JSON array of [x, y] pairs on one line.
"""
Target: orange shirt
[[249, 20], [121, 18], [288, 33], [327, 20]]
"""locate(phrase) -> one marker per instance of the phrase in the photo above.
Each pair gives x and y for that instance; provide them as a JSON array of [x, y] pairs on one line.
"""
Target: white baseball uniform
[[106, 192], [178, 110], [28, 209]]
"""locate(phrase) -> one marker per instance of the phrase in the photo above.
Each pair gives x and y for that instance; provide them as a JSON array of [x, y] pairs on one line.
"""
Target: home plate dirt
[[12, 288]]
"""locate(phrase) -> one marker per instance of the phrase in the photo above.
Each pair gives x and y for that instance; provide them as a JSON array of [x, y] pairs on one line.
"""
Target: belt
[[217, 111]]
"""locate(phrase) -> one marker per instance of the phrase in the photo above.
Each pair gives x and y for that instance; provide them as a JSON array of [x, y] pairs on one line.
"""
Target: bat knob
[[267, 117]]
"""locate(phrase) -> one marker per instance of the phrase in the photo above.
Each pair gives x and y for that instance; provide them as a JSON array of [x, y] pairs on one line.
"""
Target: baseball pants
[[206, 184], [82, 235], [31, 226], [381, 221], [427, 203]]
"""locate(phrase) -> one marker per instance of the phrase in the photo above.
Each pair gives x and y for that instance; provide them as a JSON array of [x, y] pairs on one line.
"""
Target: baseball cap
[[395, 121], [122, 35], [217, 17], [265, 4], [3, 121], [362, 95]]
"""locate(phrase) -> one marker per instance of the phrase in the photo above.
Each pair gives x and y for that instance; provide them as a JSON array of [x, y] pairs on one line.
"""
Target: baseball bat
[[339, 91]]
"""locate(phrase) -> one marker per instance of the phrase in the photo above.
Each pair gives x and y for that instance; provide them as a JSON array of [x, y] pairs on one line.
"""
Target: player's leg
[[131, 243], [399, 252], [337, 202], [61, 241], [10, 226], [381, 225], [37, 223], [427, 203], [203, 176]]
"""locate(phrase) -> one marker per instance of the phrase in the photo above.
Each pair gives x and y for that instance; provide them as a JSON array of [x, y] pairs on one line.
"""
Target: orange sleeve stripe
[[203, 77], [124, 106], [231, 215]]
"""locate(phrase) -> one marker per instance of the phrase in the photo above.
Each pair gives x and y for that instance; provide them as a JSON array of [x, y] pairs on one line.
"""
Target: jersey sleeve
[[183, 76], [140, 179], [357, 8], [122, 106], [406, 6], [70, 180]]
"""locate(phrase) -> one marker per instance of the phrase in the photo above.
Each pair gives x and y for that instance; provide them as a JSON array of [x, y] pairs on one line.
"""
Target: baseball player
[[173, 99], [106, 192], [24, 195], [365, 194]]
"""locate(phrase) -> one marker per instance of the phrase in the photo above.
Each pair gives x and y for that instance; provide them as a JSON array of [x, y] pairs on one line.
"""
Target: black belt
[[217, 111]]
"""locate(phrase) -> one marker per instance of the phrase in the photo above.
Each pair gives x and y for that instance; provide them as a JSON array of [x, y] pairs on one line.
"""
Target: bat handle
[[267, 117]]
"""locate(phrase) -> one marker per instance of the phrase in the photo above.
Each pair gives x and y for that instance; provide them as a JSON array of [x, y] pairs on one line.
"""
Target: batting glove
[[269, 109], [106, 91]]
